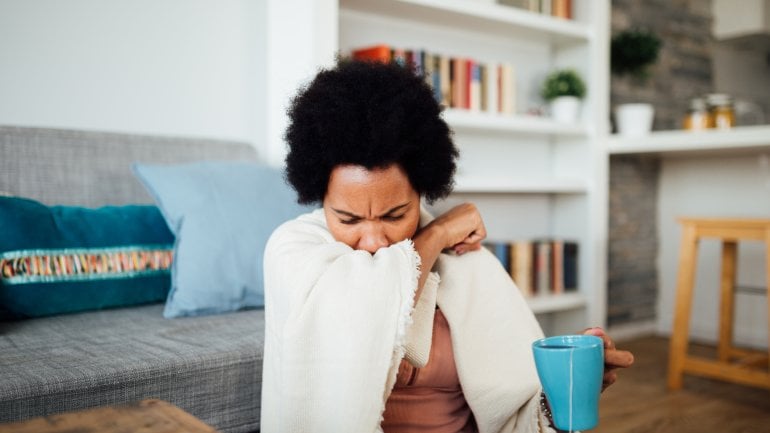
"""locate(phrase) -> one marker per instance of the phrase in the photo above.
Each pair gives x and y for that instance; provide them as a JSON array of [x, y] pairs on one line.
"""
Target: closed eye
[[350, 221], [393, 217]]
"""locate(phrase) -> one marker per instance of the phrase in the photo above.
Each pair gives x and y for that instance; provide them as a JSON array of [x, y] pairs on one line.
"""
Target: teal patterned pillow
[[64, 259]]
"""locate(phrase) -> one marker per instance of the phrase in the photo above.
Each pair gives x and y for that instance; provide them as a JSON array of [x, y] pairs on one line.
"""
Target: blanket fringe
[[404, 321]]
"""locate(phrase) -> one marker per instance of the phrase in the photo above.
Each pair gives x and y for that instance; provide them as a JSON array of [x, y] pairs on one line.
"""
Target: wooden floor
[[640, 403]]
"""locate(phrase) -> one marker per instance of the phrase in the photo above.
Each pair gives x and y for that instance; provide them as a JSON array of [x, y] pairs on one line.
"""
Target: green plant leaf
[[563, 82]]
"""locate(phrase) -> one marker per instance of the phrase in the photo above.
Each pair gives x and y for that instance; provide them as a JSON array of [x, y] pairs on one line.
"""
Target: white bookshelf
[[464, 120], [479, 184], [728, 142], [486, 17], [532, 177]]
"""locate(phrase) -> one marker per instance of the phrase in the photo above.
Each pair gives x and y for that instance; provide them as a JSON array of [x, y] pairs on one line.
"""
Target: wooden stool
[[747, 367]]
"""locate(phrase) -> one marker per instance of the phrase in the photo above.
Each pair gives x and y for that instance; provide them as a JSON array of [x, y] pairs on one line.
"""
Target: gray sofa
[[209, 366]]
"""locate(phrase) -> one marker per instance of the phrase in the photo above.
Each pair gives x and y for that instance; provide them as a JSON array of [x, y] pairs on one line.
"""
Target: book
[[419, 62], [459, 82], [570, 266], [445, 82], [507, 83], [562, 9], [398, 55], [377, 53], [489, 90], [474, 86], [542, 268], [522, 4], [557, 267], [545, 7], [501, 250], [521, 266], [430, 69]]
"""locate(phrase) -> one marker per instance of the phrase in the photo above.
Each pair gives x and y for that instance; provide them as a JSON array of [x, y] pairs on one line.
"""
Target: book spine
[[378, 53], [542, 267], [445, 81], [399, 56], [420, 61], [454, 78], [562, 9], [557, 267], [462, 83], [545, 7], [484, 86], [428, 73], [502, 252], [570, 266], [507, 89], [499, 88], [491, 88], [474, 93], [522, 267]]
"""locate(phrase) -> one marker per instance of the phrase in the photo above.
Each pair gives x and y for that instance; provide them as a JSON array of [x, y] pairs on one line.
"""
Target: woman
[[377, 315]]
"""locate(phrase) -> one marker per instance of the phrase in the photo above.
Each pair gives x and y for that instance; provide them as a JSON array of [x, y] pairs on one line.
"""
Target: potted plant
[[632, 52], [564, 89]]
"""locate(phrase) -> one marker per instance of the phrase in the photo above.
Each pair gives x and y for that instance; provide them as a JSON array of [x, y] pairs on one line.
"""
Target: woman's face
[[371, 209]]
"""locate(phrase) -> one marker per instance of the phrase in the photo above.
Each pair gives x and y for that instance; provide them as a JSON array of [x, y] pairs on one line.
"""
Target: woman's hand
[[462, 228], [613, 358]]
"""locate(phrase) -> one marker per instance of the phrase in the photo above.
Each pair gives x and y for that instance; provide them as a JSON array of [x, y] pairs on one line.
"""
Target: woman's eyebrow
[[346, 213], [390, 211], [393, 209]]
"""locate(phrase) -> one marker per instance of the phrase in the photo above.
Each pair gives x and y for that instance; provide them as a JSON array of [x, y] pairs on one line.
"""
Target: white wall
[[172, 67], [161, 67], [301, 37], [743, 71], [740, 56], [737, 186]]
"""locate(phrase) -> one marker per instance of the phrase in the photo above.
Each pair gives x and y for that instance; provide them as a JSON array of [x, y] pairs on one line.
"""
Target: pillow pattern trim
[[79, 264]]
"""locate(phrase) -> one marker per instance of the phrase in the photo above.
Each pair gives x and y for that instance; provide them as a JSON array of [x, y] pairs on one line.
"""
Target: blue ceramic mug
[[571, 368]]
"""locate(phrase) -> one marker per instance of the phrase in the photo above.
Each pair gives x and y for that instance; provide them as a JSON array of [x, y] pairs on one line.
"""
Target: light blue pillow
[[222, 214]]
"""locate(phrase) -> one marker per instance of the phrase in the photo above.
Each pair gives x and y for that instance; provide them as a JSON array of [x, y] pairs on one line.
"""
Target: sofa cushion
[[222, 214], [63, 259], [209, 366]]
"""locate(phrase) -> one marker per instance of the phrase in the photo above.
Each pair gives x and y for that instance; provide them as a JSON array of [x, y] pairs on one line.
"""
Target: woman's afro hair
[[370, 114]]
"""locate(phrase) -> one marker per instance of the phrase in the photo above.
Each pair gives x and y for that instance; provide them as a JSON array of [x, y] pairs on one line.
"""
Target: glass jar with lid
[[721, 110], [697, 116]]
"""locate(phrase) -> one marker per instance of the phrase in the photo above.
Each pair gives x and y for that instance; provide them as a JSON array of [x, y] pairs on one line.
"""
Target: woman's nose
[[372, 239]]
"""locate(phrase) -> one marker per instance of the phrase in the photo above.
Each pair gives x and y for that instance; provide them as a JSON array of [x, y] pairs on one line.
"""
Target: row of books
[[539, 267], [457, 82], [556, 8]]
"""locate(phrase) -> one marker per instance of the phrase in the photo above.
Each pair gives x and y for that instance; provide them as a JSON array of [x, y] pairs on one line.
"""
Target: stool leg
[[767, 276], [727, 302], [688, 256]]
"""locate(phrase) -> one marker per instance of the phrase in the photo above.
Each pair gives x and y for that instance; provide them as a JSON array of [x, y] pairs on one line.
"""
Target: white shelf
[[464, 120], [553, 303], [743, 139], [489, 18], [478, 184]]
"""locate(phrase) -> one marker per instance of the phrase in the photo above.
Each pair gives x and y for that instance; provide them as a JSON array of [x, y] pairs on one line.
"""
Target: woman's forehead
[[369, 191]]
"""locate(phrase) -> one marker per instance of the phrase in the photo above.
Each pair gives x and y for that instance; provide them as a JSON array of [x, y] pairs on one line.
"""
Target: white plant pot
[[565, 109], [634, 120]]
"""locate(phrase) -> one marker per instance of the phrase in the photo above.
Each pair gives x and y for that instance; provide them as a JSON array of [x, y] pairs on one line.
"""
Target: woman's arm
[[461, 229]]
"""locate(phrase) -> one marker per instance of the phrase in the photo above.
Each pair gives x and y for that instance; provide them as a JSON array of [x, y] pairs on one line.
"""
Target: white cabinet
[[531, 177]]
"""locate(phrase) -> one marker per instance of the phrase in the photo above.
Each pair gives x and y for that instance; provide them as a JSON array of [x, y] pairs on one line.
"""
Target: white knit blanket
[[339, 321]]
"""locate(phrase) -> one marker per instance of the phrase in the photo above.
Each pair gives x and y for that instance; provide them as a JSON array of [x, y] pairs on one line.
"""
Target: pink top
[[429, 399]]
